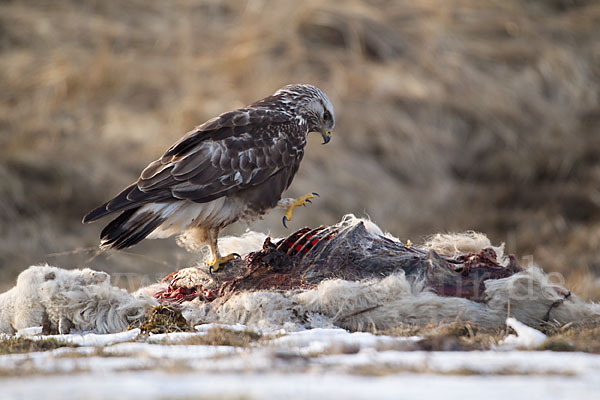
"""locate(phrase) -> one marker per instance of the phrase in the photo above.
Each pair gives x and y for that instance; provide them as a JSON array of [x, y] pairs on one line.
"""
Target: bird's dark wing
[[234, 151]]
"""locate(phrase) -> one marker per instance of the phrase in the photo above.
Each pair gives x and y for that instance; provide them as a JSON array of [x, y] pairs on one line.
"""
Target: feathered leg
[[195, 238], [216, 260], [290, 204]]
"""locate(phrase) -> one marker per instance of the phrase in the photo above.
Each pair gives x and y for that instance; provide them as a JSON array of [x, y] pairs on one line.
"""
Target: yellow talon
[[216, 263], [300, 201]]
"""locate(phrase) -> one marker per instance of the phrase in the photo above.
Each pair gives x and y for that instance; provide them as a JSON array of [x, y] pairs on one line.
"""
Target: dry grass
[[164, 319], [460, 336], [451, 115], [585, 338], [454, 336], [382, 370], [207, 398], [219, 336], [13, 345]]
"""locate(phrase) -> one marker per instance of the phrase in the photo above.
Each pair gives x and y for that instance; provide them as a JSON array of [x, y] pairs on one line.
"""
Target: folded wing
[[232, 152]]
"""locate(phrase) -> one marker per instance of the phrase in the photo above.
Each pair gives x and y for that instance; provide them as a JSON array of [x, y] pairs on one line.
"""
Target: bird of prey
[[234, 167]]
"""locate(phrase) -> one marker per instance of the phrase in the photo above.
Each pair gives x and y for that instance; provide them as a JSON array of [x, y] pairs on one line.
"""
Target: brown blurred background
[[451, 115]]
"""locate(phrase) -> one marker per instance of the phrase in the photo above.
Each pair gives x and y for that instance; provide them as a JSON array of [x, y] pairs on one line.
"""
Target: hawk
[[234, 167]]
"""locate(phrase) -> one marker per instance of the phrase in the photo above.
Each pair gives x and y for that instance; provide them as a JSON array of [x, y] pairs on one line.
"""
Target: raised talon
[[215, 264], [300, 201]]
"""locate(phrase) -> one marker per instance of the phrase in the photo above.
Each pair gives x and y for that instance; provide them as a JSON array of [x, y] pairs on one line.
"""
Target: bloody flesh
[[344, 251]]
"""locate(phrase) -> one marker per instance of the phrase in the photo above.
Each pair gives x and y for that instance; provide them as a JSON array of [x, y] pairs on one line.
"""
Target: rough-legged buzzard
[[232, 167]]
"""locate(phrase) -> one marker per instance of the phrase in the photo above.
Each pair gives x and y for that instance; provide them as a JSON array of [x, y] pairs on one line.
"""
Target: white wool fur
[[61, 300], [451, 244], [370, 226], [528, 309], [242, 245], [392, 301], [253, 241], [85, 301]]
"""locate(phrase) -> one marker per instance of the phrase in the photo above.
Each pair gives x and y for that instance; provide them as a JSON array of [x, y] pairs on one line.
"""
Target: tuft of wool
[[62, 300]]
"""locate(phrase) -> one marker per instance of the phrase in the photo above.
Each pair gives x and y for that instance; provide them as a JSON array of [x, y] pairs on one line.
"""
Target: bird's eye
[[326, 116]]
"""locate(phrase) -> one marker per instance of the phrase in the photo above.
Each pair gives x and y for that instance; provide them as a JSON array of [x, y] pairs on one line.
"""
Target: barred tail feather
[[129, 228]]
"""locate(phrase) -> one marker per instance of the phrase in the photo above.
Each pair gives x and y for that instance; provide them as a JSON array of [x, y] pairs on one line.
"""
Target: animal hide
[[62, 300], [353, 276]]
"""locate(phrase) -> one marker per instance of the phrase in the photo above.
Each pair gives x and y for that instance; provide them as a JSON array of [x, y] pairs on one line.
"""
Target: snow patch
[[90, 339], [526, 337]]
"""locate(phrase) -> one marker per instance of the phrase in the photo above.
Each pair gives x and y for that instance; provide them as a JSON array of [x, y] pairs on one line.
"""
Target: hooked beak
[[326, 135]]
